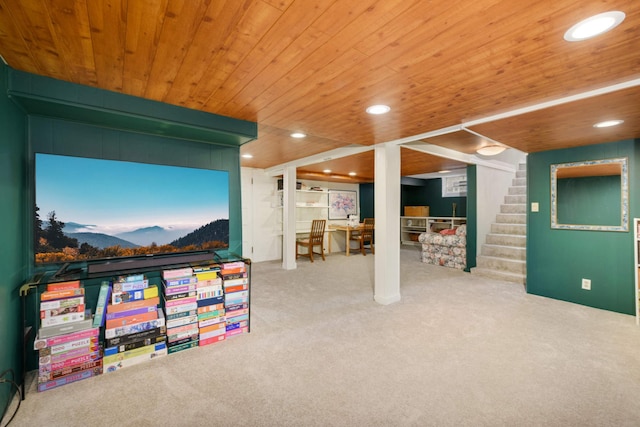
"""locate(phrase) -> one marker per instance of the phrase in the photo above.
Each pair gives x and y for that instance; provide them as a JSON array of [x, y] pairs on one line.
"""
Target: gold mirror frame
[[604, 167]]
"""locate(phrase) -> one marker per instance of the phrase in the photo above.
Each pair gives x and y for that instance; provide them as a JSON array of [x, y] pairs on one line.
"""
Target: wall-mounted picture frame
[[342, 203]]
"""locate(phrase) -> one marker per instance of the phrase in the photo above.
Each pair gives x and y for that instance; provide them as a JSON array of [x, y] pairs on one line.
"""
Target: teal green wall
[[472, 216], [558, 260], [428, 192], [39, 114], [13, 217], [366, 201]]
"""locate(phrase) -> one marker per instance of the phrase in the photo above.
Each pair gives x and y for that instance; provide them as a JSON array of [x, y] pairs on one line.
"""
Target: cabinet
[[310, 205], [140, 323], [412, 226]]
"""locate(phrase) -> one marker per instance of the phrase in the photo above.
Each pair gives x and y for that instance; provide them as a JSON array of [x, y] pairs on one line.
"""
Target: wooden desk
[[347, 230]]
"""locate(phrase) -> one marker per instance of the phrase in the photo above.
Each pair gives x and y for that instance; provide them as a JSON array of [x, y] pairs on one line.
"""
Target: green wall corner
[[558, 260]]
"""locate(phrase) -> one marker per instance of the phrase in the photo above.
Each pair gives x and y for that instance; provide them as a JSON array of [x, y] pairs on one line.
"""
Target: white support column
[[387, 216], [289, 218]]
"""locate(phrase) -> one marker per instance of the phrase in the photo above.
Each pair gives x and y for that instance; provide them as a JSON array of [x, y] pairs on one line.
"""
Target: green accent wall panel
[[49, 97], [558, 260], [13, 154], [428, 192], [472, 216]]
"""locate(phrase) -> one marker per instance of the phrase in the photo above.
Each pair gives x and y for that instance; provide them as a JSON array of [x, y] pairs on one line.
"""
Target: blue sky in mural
[[113, 197]]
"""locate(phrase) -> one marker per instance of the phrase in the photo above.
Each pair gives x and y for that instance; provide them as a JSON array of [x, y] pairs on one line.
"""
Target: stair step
[[503, 251], [519, 229], [502, 264], [519, 182], [516, 240], [521, 174], [499, 275], [511, 218], [517, 190], [518, 199], [514, 208], [522, 166]]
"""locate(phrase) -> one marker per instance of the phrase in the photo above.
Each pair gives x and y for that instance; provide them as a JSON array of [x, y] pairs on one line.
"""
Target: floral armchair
[[448, 248]]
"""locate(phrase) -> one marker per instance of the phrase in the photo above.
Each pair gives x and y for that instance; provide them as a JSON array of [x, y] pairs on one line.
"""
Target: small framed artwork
[[342, 203]]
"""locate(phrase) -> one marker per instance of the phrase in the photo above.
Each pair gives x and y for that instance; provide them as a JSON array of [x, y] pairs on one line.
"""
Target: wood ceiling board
[[315, 66], [413, 162], [461, 141], [276, 146], [571, 124], [362, 164]]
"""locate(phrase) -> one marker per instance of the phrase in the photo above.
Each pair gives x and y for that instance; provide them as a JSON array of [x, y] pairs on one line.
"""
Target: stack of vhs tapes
[[135, 329], [180, 302], [67, 343], [236, 297], [210, 304]]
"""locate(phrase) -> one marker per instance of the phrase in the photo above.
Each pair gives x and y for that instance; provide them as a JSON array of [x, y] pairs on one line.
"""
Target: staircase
[[503, 255]]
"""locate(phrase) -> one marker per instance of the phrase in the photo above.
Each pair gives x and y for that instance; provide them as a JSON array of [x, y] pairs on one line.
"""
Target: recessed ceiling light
[[608, 123], [444, 171], [327, 171], [594, 26], [352, 174], [378, 109], [491, 150], [298, 135], [247, 156]]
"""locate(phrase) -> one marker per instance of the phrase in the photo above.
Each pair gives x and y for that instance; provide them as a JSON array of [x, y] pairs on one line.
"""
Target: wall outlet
[[586, 284], [535, 207]]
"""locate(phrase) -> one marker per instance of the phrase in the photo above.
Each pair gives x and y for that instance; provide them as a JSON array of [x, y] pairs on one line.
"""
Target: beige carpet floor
[[457, 350]]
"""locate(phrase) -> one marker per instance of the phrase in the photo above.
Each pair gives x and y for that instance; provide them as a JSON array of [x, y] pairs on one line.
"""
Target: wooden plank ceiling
[[313, 67]]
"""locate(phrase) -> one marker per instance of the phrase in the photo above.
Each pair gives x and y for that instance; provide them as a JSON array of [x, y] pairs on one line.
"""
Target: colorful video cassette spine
[[71, 345], [125, 363], [209, 308], [130, 286], [115, 308], [49, 376], [41, 343], [181, 314], [136, 327], [237, 331], [211, 340], [63, 319], [109, 351], [127, 339], [172, 290], [134, 312], [180, 296], [182, 308], [131, 296], [46, 363], [211, 321], [68, 379], [135, 352], [171, 338], [174, 323], [61, 303], [181, 347], [210, 301], [177, 273], [181, 301]]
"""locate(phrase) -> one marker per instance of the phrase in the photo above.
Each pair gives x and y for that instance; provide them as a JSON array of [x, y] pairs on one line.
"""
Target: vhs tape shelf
[[94, 325]]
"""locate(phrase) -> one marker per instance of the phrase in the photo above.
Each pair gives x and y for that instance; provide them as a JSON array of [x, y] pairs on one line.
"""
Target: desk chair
[[316, 238], [366, 235]]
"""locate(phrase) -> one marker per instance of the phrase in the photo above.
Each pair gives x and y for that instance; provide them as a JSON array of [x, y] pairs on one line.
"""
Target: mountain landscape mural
[[122, 209]]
